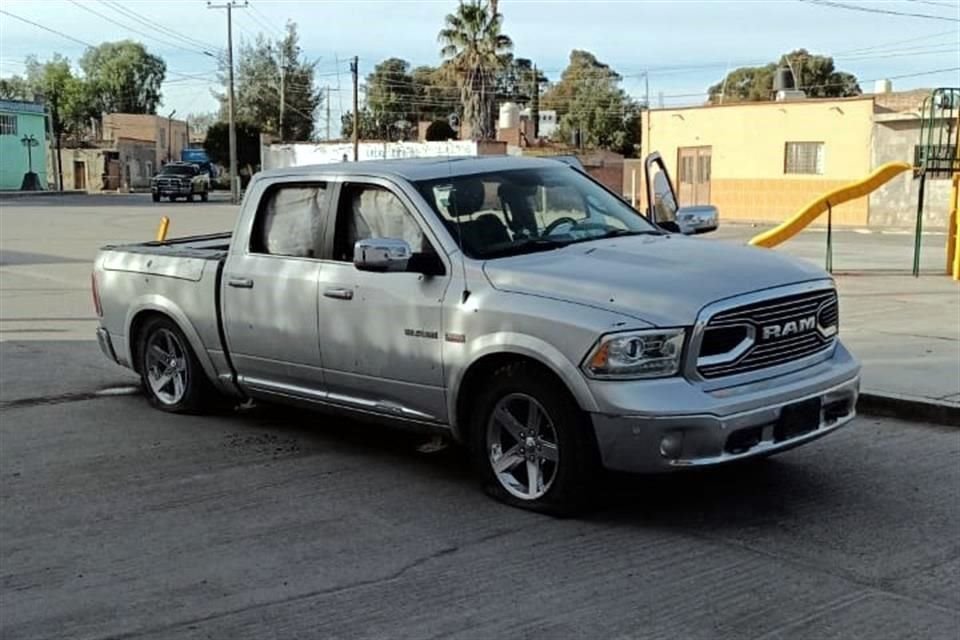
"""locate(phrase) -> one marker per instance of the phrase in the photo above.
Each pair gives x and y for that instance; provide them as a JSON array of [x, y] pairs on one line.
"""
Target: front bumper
[[175, 190], [669, 424]]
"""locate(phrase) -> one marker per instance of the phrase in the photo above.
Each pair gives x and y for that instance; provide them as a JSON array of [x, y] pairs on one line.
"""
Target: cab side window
[[368, 211], [290, 221]]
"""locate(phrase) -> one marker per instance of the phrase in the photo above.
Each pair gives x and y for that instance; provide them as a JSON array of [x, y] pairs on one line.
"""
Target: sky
[[682, 46]]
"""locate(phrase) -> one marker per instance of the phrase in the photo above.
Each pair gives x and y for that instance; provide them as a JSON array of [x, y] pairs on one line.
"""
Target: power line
[[40, 26], [890, 12], [933, 3], [266, 21], [137, 31], [153, 24]]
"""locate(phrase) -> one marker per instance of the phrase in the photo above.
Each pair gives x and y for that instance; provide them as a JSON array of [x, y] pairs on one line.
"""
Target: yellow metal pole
[[953, 234], [162, 229]]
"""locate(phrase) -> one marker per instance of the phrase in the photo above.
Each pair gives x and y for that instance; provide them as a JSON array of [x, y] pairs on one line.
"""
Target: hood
[[662, 280]]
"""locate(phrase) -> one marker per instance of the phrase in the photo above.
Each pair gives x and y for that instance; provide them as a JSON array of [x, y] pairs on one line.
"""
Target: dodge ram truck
[[512, 304]]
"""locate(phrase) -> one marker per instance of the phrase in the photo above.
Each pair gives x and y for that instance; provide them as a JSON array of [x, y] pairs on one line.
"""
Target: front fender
[[507, 342], [166, 306]]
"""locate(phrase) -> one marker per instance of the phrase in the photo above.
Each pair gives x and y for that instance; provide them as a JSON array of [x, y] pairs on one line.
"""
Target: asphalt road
[[118, 521]]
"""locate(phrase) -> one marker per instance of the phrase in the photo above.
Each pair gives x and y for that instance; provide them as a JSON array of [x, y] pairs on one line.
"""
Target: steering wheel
[[550, 228]]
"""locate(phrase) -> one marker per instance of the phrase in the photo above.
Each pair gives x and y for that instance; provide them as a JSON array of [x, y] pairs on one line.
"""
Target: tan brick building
[[169, 136]]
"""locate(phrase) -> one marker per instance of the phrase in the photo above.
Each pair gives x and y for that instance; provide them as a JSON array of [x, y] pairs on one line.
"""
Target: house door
[[79, 175], [693, 175]]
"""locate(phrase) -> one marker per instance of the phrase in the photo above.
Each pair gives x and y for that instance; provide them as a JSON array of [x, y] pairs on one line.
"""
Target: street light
[[170, 132], [31, 181]]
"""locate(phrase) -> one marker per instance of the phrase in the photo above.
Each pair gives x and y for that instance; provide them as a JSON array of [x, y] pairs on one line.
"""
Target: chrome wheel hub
[[166, 366], [522, 446]]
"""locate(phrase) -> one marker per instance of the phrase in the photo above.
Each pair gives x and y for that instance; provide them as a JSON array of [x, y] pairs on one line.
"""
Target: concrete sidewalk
[[906, 331]]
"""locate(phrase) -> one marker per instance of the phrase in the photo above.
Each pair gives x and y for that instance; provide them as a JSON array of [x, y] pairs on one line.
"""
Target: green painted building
[[19, 120]]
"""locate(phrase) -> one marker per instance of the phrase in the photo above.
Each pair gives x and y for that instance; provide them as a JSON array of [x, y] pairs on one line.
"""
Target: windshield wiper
[[619, 233]]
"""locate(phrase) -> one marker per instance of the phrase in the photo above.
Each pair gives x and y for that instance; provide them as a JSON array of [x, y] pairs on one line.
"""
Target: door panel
[[270, 291], [381, 333], [270, 317]]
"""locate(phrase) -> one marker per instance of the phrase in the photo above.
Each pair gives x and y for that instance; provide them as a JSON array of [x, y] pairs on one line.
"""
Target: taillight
[[96, 295]]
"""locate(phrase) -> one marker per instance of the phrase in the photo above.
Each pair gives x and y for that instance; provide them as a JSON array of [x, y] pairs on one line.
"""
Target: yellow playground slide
[[795, 224]]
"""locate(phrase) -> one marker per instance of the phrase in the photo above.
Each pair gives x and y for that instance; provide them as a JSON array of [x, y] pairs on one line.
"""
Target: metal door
[[380, 333], [79, 175], [694, 166], [270, 303]]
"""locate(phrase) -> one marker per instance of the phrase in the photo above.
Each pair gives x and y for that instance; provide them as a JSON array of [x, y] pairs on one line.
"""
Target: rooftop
[[416, 168]]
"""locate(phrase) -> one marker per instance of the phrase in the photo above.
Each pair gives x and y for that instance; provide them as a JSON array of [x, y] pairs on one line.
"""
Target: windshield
[[509, 212], [178, 170]]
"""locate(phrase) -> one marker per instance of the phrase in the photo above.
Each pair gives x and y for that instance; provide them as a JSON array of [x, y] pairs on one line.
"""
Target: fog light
[[671, 445]]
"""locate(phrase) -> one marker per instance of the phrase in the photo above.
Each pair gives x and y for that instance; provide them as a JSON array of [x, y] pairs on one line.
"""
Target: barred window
[[8, 125], [803, 157]]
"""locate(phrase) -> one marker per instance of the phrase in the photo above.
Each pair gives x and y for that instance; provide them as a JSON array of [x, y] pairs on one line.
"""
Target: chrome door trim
[[377, 407]]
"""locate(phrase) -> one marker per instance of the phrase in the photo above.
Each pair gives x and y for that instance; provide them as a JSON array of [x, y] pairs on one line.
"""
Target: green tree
[[516, 82], [15, 88], [257, 86], [436, 95], [474, 44], [589, 101], [217, 144], [123, 77], [368, 125], [816, 75], [391, 97], [199, 123]]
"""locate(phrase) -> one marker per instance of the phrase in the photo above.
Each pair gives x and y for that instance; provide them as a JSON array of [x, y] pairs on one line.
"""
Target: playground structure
[[937, 155]]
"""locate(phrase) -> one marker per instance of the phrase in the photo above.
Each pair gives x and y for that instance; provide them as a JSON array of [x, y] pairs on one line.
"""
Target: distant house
[[169, 136], [19, 120], [763, 161]]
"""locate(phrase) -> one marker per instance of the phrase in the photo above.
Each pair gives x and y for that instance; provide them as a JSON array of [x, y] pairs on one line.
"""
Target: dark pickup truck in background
[[180, 180]]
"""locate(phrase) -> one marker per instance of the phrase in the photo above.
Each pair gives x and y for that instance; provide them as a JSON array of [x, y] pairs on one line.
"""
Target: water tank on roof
[[783, 80], [509, 116], [882, 86]]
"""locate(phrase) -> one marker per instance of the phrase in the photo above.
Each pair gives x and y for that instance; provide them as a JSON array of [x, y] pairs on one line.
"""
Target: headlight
[[653, 353]]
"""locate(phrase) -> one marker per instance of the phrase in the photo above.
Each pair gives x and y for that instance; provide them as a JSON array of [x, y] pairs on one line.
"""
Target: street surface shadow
[[748, 493], [9, 258]]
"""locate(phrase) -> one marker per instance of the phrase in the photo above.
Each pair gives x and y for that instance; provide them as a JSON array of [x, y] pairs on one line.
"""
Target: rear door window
[[291, 221]]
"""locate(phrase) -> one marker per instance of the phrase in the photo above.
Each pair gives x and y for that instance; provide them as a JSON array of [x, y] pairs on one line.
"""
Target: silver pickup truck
[[514, 304]]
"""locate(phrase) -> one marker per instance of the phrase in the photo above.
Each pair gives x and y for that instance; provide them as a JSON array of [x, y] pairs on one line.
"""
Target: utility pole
[[535, 103], [328, 112], [282, 92], [354, 70], [231, 100], [645, 139]]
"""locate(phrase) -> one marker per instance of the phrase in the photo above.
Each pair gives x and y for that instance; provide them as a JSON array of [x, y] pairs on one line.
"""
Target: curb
[[909, 409], [14, 195]]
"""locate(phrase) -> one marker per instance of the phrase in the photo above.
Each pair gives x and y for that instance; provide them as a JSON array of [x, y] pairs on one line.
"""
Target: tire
[[156, 197], [566, 458], [173, 198], [204, 196], [190, 198], [163, 351]]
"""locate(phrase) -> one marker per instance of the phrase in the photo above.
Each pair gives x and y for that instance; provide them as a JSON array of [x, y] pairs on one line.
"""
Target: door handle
[[339, 293], [240, 283]]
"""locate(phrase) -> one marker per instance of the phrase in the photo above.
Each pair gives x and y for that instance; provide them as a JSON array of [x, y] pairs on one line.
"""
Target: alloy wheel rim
[[522, 446], [166, 364]]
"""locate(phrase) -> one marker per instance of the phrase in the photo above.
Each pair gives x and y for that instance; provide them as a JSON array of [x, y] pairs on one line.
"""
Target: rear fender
[[165, 306]]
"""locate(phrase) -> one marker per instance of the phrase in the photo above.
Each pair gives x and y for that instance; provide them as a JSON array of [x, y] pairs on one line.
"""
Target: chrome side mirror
[[381, 254], [698, 219]]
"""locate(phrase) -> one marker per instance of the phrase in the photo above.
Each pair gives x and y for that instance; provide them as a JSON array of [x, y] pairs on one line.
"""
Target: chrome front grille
[[768, 333]]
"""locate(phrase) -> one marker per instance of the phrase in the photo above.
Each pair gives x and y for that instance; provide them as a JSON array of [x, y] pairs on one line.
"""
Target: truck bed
[[212, 246]]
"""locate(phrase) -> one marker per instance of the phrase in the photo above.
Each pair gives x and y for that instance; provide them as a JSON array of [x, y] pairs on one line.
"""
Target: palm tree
[[473, 44]]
